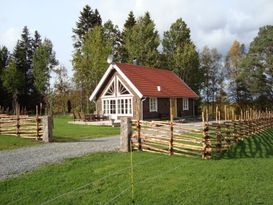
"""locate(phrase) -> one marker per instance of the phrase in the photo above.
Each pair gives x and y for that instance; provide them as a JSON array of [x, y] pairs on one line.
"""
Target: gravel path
[[14, 162]]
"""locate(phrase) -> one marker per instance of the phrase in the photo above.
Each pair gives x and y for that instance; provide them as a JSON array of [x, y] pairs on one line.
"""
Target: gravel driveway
[[14, 162]]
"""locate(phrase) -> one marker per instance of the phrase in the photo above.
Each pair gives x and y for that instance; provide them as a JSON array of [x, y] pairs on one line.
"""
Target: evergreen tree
[[258, 67], [142, 42], [112, 33], [5, 99], [13, 81], [127, 29], [43, 62], [87, 21], [180, 55]]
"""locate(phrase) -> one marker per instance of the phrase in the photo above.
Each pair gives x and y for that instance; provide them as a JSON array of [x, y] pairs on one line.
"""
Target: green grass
[[62, 132], [241, 176], [12, 142], [68, 132]]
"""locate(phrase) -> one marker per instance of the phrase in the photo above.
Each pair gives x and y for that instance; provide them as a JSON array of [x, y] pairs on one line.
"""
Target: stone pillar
[[47, 129], [125, 134]]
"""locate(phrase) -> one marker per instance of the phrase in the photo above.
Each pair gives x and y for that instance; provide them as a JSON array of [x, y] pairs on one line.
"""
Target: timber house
[[142, 93]]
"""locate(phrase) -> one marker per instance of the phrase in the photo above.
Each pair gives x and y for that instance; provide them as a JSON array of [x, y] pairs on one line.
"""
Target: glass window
[[153, 104], [185, 104]]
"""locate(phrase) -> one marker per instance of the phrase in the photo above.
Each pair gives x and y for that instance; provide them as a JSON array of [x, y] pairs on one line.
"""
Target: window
[[121, 106], [185, 104], [122, 90], [153, 104], [110, 90]]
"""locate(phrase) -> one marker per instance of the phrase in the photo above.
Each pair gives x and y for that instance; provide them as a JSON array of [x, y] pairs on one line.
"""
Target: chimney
[[135, 61]]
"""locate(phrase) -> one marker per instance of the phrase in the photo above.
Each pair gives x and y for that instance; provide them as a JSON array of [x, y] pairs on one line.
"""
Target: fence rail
[[23, 126], [213, 137]]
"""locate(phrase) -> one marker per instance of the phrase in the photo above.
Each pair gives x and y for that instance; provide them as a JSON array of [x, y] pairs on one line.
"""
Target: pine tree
[[127, 29], [87, 21], [43, 62], [142, 42], [112, 33], [13, 81], [180, 55], [5, 99], [258, 67]]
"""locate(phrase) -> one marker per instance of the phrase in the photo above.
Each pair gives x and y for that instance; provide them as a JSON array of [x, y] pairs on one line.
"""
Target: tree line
[[242, 76]]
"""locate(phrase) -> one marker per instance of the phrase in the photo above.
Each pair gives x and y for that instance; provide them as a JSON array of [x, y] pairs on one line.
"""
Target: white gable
[[106, 74]]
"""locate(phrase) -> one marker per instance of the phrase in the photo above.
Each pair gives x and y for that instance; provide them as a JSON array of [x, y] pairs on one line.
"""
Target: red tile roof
[[147, 79]]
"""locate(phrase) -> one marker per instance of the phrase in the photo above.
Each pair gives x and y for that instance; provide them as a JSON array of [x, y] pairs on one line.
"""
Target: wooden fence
[[26, 126], [212, 137]]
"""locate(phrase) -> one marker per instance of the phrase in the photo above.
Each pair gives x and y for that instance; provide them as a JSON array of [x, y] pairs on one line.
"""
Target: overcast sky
[[214, 23]]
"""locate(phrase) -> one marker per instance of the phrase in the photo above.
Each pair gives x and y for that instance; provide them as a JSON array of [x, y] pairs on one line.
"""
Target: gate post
[[47, 129], [125, 134]]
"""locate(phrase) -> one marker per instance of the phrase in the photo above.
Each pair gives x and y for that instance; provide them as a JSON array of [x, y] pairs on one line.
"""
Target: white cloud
[[9, 38]]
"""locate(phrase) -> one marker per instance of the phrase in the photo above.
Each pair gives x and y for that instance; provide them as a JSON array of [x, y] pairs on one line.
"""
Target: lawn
[[241, 176], [63, 131], [12, 142]]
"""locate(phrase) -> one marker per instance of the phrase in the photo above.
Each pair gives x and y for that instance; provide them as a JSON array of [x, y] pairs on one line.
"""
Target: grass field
[[63, 132], [68, 132], [12, 142], [241, 176]]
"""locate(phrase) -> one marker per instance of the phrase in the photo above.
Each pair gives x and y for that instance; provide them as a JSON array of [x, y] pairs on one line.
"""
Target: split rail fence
[[211, 137], [24, 126]]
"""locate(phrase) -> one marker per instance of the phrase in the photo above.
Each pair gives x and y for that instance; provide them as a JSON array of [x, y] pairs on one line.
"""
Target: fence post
[[47, 129], [125, 134], [218, 138], [17, 125], [139, 135], [171, 139], [206, 153]]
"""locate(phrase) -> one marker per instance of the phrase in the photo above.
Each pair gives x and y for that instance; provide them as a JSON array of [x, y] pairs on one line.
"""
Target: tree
[[180, 55], [258, 67], [43, 62], [61, 86], [87, 21], [113, 34], [13, 81], [238, 91], [4, 60], [142, 42], [90, 64], [211, 67], [127, 29]]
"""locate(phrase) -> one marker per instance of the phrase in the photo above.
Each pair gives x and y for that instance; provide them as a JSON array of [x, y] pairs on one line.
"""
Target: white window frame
[[185, 103], [118, 93], [123, 106], [153, 105], [107, 88]]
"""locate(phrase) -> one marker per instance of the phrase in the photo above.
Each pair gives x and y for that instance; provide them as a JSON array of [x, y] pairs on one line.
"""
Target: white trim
[[128, 81], [105, 91], [106, 74], [118, 114], [122, 95]]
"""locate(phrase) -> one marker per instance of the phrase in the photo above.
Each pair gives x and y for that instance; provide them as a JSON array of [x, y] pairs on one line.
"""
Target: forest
[[242, 77]]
